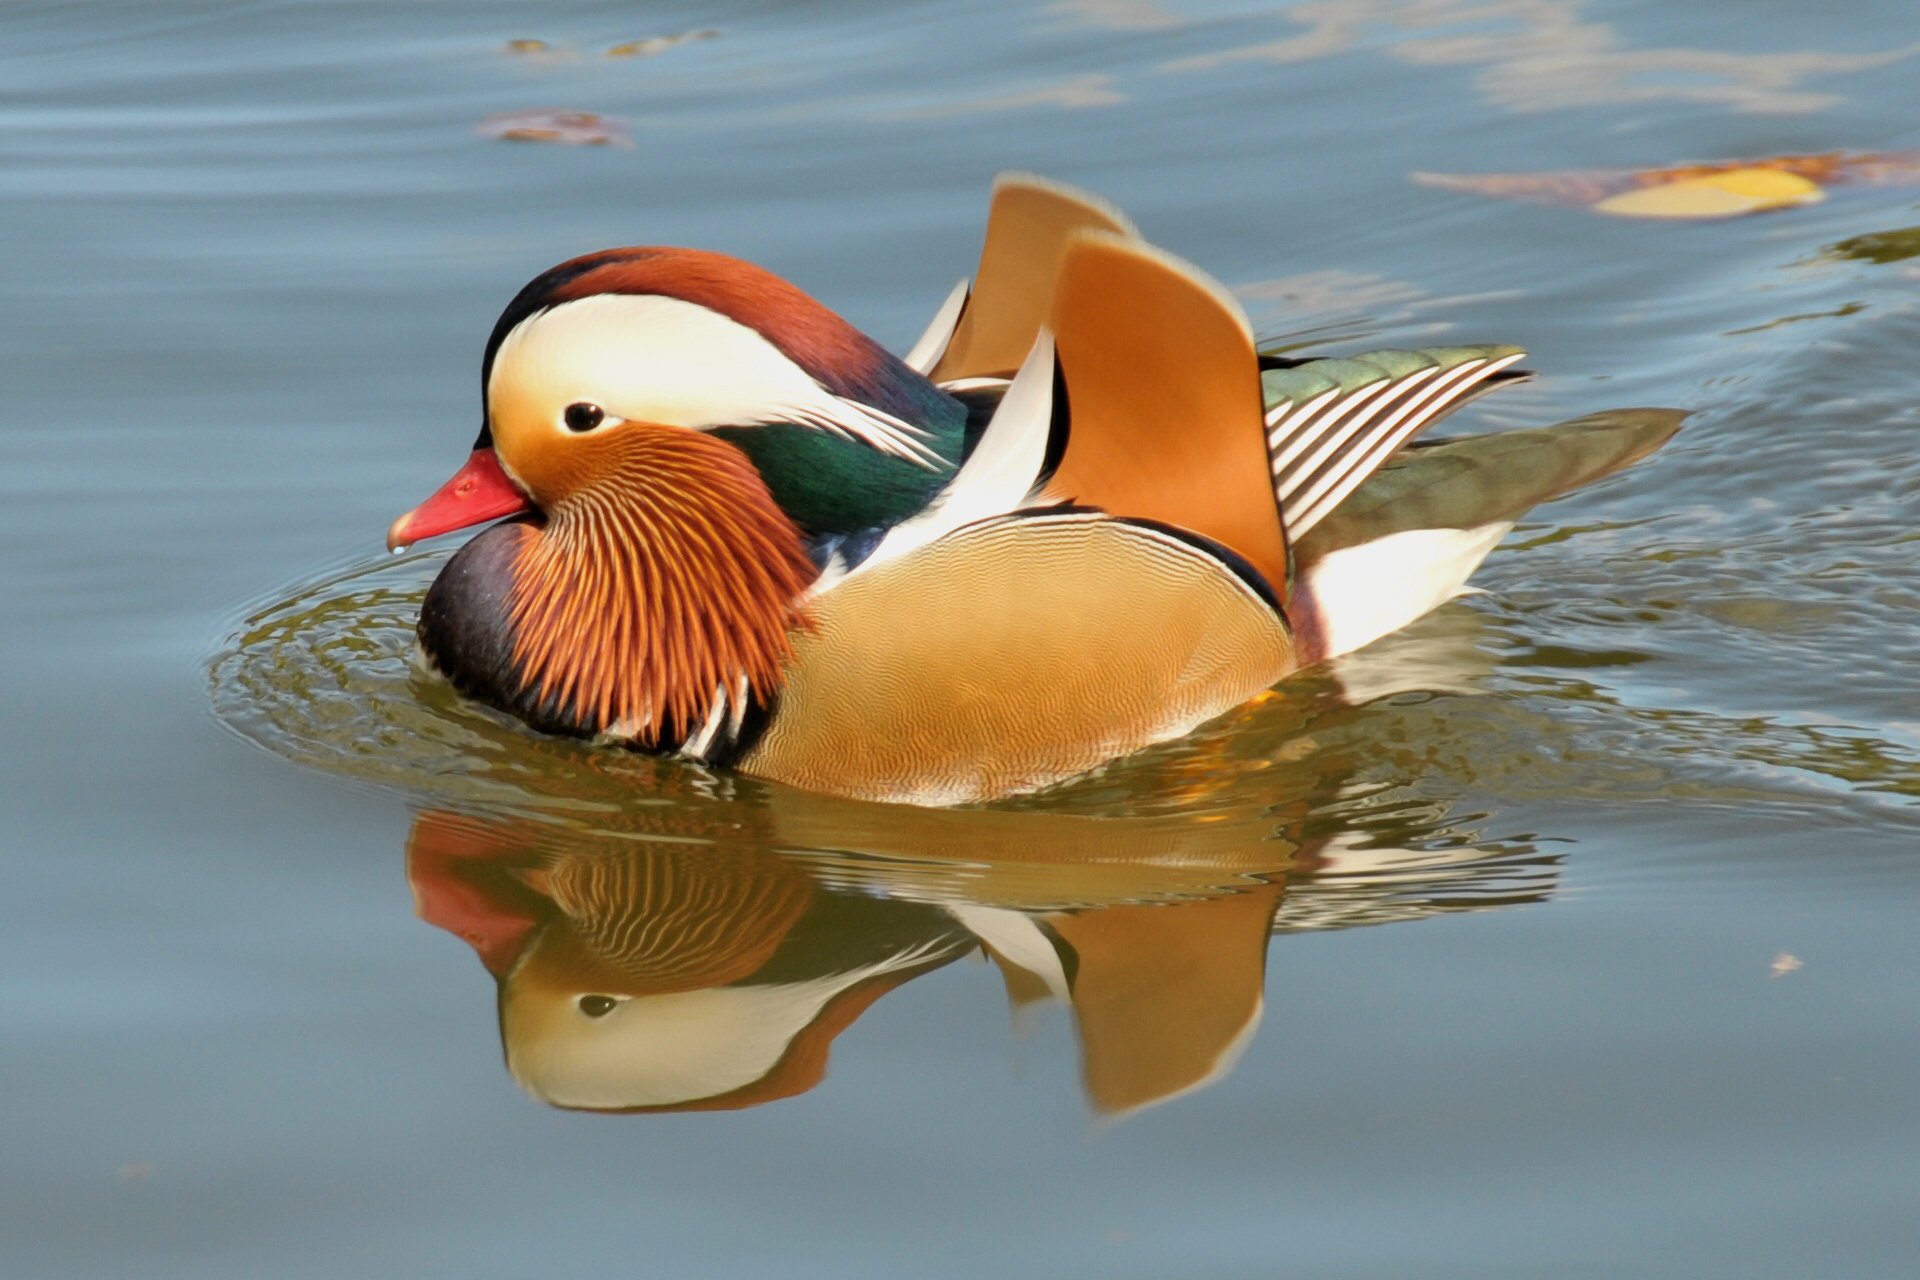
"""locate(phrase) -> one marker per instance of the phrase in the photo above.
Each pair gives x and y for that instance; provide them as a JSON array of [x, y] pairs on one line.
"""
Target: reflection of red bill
[[456, 888], [479, 491]]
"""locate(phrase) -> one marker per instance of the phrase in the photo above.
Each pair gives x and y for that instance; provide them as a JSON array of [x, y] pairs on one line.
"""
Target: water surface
[[1568, 933]]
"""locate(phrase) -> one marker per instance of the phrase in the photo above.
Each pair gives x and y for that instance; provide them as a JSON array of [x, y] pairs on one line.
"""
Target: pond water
[[1570, 932]]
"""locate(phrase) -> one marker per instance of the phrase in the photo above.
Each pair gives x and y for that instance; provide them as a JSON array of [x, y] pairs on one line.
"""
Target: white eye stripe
[[650, 358]]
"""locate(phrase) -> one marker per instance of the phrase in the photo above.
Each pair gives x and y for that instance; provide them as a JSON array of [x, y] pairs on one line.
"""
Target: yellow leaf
[[1716, 195]]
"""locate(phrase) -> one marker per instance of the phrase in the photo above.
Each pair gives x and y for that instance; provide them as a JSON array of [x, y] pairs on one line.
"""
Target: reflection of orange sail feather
[[1193, 972]]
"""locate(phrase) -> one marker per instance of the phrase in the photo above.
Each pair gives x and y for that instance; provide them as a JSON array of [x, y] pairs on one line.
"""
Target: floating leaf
[[528, 46], [1720, 195], [568, 128], [1719, 189], [658, 44]]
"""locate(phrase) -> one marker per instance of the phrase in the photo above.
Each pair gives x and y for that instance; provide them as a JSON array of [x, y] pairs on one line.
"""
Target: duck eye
[[597, 1006], [582, 416]]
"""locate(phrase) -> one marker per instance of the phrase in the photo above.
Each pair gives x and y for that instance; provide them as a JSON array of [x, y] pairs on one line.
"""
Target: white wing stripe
[[1413, 413], [1273, 416], [1381, 394], [1331, 489], [1301, 414], [1329, 439]]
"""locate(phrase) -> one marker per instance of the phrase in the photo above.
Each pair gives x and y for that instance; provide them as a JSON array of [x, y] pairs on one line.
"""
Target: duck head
[[664, 975], [682, 438]]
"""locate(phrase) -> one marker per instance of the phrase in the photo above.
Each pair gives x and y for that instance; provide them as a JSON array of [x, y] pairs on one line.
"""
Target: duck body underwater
[[1081, 516]]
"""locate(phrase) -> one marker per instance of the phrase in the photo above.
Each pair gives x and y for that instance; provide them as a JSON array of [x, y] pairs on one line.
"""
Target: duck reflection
[[645, 971]]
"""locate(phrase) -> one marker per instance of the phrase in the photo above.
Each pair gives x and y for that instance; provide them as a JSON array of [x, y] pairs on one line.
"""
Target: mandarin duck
[[1082, 515]]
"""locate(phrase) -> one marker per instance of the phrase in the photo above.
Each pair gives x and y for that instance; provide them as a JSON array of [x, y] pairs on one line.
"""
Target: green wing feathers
[[1296, 382]]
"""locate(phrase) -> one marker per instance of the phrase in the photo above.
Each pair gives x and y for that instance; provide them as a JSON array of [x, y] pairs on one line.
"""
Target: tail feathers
[[988, 330], [1163, 399], [1411, 535], [1473, 481], [1332, 423]]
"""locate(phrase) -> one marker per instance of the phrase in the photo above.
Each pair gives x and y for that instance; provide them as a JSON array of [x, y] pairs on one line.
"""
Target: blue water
[[1592, 942]]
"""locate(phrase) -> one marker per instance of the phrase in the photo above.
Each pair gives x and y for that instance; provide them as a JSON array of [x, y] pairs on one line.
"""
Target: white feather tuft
[[1353, 596], [926, 353]]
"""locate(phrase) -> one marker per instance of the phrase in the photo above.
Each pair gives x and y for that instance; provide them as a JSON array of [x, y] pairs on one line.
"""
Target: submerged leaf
[[1880, 246], [658, 44]]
